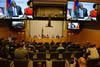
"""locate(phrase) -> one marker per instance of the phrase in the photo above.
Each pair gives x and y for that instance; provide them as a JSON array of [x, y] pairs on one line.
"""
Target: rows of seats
[[57, 55], [44, 63]]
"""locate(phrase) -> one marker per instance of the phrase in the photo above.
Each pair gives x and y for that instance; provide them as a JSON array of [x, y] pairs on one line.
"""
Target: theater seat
[[67, 55], [5, 63], [39, 63], [20, 63], [54, 55], [41, 56], [93, 63], [58, 63], [78, 54]]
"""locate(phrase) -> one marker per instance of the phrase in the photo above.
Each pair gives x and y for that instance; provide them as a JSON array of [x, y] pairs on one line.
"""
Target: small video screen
[[73, 26], [18, 24]]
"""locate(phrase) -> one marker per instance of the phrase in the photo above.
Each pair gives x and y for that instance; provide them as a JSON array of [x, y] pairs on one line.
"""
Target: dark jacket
[[10, 11], [84, 12]]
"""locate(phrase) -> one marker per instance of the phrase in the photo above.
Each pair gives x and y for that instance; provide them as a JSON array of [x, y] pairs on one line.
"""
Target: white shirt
[[14, 8], [80, 13], [93, 53]]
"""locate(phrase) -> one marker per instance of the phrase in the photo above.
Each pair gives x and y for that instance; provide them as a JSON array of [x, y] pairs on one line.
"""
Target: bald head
[[13, 3], [60, 45], [80, 5]]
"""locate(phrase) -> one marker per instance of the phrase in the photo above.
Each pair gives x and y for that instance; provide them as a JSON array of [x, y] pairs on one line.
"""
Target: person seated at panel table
[[93, 13], [14, 10], [1, 14], [81, 12], [29, 10]]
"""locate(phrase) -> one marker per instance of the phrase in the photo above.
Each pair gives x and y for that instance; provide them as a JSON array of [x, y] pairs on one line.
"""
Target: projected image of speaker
[[81, 11]]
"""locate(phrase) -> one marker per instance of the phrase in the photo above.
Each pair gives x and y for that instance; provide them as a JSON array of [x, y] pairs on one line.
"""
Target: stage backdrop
[[38, 29]]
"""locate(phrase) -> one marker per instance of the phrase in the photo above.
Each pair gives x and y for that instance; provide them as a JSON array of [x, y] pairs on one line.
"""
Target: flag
[[76, 5], [42, 33], [8, 3]]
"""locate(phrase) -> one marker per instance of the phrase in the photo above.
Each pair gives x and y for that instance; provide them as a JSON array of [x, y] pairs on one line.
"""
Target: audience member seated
[[60, 47], [4, 52], [64, 44], [46, 44], [52, 43], [30, 51], [69, 44], [21, 52], [82, 62], [93, 52], [12, 47], [34, 43], [42, 48]]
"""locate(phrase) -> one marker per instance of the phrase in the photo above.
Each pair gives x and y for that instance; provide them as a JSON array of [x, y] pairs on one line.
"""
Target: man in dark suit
[[81, 12], [14, 10]]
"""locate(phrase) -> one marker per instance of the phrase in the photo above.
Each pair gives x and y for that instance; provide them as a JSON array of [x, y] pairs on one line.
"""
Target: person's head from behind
[[80, 5], [60, 45], [95, 7], [13, 3], [88, 43], [93, 45], [30, 3], [21, 45]]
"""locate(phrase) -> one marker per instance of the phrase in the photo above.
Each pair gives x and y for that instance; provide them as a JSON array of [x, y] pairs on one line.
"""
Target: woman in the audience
[[29, 10]]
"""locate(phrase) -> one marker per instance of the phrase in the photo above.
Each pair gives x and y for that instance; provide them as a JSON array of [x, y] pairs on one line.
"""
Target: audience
[[26, 50], [3, 52]]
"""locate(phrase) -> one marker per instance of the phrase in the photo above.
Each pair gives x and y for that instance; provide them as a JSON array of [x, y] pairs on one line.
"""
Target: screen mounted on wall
[[16, 9], [18, 24], [73, 26], [83, 11]]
